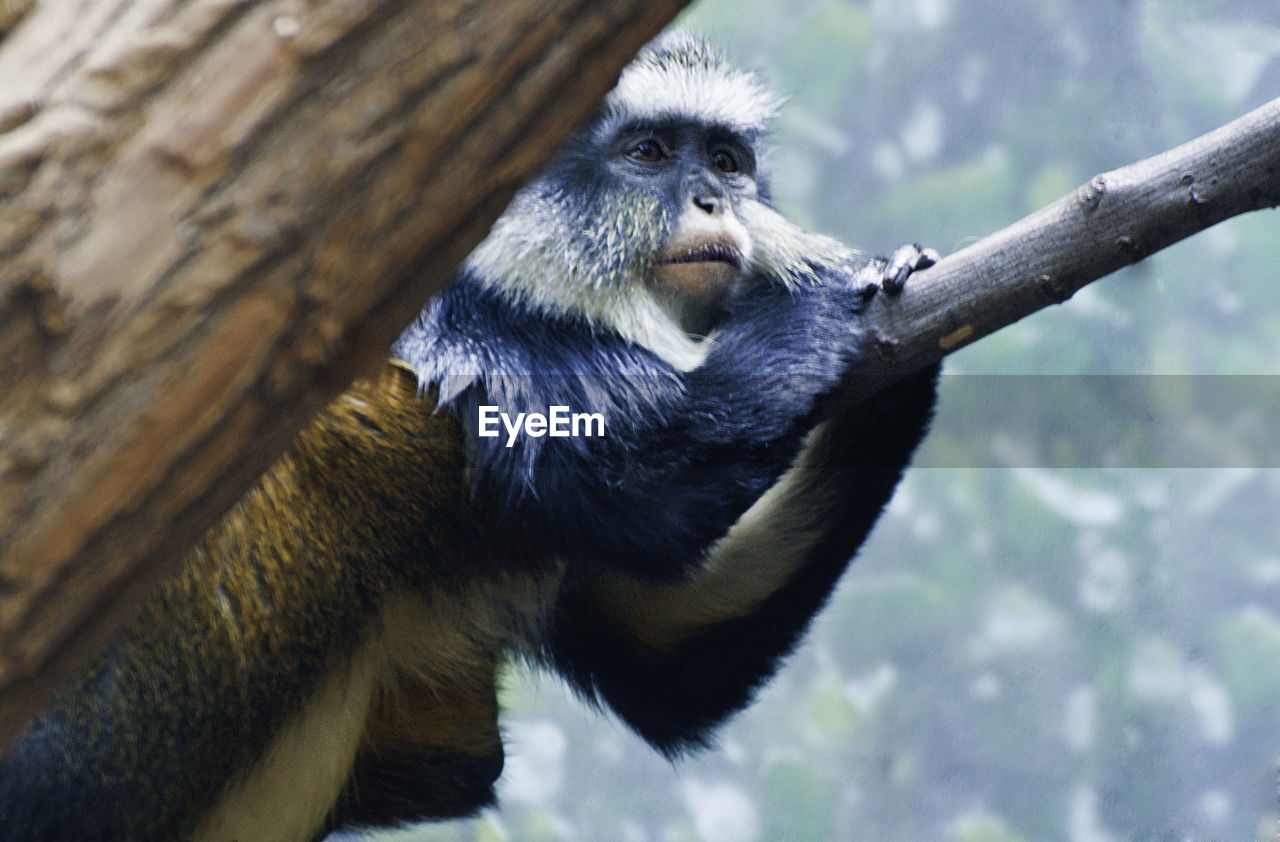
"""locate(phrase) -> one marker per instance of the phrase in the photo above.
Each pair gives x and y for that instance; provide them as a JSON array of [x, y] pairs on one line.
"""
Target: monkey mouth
[[705, 253]]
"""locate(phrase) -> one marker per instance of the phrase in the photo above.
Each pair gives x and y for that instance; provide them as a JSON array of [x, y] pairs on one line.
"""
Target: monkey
[[327, 659]]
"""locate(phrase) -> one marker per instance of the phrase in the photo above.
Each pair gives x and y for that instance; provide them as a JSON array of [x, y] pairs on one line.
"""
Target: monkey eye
[[725, 161], [646, 151]]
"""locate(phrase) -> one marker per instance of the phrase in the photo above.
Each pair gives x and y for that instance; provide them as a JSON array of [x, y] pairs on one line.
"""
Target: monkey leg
[[429, 752]]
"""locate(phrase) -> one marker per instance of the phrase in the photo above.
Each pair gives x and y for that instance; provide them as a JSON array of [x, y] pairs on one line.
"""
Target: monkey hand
[[898, 267]]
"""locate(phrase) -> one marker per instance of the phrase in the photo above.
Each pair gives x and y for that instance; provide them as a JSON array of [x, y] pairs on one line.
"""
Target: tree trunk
[[213, 214]]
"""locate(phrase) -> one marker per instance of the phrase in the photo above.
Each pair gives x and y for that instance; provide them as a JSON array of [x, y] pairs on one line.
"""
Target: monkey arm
[[683, 454], [674, 660]]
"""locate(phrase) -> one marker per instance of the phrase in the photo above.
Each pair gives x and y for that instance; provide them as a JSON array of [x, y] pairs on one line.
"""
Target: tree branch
[[1116, 219]]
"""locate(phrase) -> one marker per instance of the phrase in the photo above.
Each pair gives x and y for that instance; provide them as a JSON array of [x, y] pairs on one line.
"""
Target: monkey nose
[[705, 193]]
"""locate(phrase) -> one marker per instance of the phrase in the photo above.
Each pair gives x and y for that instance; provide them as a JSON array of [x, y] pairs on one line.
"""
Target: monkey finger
[[905, 260], [863, 284]]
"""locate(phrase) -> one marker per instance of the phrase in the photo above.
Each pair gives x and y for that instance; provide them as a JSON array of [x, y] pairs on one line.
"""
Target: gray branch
[[1116, 219]]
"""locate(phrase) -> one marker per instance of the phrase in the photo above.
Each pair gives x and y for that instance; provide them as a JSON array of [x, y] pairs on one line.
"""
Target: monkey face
[[655, 216], [699, 173]]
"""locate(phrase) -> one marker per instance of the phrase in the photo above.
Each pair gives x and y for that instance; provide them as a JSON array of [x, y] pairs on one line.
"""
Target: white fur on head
[[681, 75]]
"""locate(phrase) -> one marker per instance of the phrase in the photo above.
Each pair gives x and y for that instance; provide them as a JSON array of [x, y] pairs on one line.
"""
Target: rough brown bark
[[213, 213], [1116, 219]]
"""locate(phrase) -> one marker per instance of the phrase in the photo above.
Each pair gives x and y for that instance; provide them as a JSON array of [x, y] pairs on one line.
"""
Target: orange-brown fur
[[361, 551]]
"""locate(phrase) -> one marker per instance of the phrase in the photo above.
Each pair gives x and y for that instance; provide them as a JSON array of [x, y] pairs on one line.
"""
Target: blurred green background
[[1067, 626]]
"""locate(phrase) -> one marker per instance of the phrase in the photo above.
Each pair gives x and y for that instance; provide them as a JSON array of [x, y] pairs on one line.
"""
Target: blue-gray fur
[[685, 452], [676, 698]]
